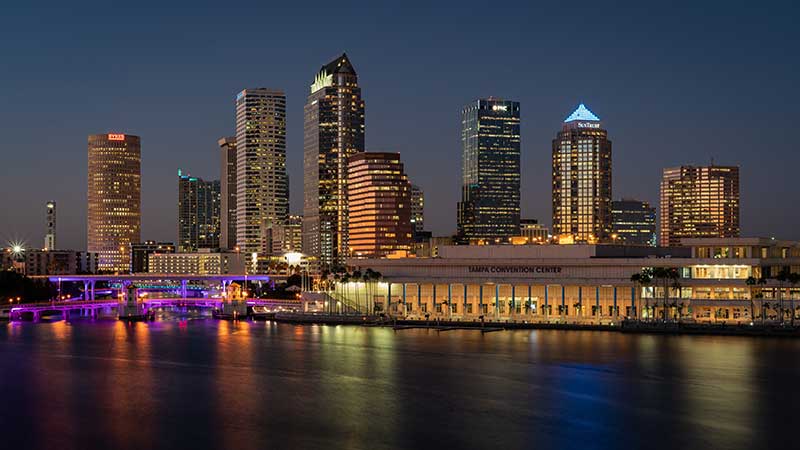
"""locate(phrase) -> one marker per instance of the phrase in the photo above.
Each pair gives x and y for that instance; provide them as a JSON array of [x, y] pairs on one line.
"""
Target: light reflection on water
[[217, 384]]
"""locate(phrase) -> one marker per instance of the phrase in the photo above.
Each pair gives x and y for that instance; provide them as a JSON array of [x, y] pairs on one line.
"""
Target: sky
[[674, 83]]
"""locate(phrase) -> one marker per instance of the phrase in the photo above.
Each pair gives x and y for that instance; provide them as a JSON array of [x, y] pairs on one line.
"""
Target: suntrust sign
[[515, 269]]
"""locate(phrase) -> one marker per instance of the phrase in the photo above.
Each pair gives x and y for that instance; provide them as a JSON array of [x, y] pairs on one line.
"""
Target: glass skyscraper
[[333, 131], [490, 139], [633, 222], [227, 233], [198, 213], [582, 179]]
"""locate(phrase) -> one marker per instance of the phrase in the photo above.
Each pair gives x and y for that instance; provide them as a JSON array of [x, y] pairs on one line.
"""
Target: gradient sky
[[674, 84]]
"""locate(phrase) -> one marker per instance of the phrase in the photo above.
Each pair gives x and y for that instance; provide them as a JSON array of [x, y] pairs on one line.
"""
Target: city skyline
[[691, 124]]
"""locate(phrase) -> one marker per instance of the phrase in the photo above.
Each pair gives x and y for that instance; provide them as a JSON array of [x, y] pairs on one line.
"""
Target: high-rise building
[[633, 222], [380, 211], [262, 185], [141, 251], [490, 140], [288, 237], [582, 179], [114, 198], [50, 237], [699, 202], [333, 131], [198, 213], [417, 209], [227, 239]]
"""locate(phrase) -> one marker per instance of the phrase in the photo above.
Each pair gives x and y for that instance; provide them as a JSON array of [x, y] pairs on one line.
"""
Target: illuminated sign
[[116, 137], [588, 125], [514, 269], [499, 108]]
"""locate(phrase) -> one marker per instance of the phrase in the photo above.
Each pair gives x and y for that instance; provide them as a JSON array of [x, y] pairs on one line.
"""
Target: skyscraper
[[198, 213], [633, 222], [333, 131], [582, 179], [490, 140], [379, 197], [698, 202], [288, 237], [50, 237], [262, 186], [227, 180], [114, 198], [417, 209]]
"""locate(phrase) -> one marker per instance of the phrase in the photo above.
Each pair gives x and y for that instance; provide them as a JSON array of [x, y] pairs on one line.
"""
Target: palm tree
[[669, 277], [643, 278], [782, 277]]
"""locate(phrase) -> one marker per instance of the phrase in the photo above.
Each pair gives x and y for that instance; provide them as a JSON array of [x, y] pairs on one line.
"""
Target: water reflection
[[184, 383]]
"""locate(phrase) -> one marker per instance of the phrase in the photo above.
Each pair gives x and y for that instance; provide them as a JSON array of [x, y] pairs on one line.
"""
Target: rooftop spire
[[582, 113]]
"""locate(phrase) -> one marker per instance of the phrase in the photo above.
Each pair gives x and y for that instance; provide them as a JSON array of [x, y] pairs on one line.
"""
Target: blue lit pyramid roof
[[582, 113]]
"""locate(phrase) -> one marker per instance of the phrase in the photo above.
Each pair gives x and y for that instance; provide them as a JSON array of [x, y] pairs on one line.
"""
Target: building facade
[[582, 179], [141, 251], [114, 199], [288, 237], [333, 131], [588, 283], [197, 263], [490, 188], [379, 198], [633, 222], [533, 232], [198, 213], [50, 220], [417, 209], [59, 262], [699, 202], [262, 186], [227, 233]]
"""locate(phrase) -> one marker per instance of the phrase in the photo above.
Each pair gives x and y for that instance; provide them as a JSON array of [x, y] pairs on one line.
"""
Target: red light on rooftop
[[116, 137]]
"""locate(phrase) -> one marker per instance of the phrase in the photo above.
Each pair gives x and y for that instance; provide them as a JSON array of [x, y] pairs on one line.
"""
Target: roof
[[582, 113], [339, 65]]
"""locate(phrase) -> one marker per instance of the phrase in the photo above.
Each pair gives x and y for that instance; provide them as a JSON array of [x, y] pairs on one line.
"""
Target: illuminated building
[[198, 213], [59, 262], [227, 239], [585, 283], [288, 236], [379, 197], [698, 202], [114, 198], [141, 251], [333, 131], [50, 237], [633, 222], [582, 179], [262, 188], [417, 209], [489, 208], [532, 232], [202, 262]]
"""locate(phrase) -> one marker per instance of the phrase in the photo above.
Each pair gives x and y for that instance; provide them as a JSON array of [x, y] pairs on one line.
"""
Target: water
[[203, 384]]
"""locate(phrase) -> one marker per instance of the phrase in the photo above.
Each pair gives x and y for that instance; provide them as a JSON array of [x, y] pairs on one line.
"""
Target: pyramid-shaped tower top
[[582, 113], [339, 65]]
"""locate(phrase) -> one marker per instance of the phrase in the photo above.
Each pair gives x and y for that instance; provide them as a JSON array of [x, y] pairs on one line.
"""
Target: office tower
[[262, 185], [582, 179], [533, 231], [114, 199], [379, 197], [417, 209], [333, 131], [698, 202], [489, 207], [633, 222], [50, 237], [198, 213], [227, 181], [141, 251], [288, 237]]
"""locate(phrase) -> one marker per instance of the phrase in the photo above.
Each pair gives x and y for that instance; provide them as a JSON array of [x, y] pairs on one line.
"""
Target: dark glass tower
[[489, 207], [333, 131], [198, 213], [633, 222], [582, 179]]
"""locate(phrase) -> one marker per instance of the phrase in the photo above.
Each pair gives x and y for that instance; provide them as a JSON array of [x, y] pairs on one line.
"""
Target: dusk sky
[[677, 84]]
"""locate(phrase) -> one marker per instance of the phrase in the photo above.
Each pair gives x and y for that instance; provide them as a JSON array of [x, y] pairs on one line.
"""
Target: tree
[[782, 277], [643, 278], [793, 279]]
